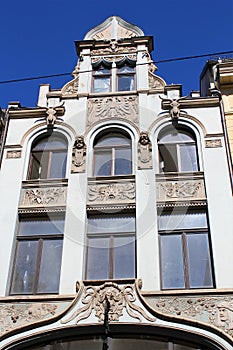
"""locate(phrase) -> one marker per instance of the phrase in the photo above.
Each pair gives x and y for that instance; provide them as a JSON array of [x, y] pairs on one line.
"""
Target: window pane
[[43, 226], [103, 163], [51, 142], [50, 265], [199, 260], [58, 165], [111, 224], [168, 158], [124, 257], [182, 220], [176, 135], [25, 267], [35, 165], [98, 258], [126, 69], [123, 161], [112, 140], [126, 83], [188, 158], [172, 262], [101, 84]]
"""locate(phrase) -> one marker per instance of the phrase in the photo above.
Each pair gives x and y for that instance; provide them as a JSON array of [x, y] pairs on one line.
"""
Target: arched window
[[177, 150], [112, 154], [48, 157]]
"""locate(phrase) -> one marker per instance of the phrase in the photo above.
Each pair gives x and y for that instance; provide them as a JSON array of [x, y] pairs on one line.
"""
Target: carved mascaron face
[[79, 143], [144, 139]]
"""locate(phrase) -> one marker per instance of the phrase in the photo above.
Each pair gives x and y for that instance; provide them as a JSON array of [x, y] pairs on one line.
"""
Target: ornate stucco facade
[[167, 177]]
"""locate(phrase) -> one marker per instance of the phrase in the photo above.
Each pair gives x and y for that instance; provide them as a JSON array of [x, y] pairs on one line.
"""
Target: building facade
[[116, 209]]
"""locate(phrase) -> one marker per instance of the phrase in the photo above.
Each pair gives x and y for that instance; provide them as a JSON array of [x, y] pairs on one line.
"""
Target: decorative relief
[[79, 155], [180, 190], [213, 143], [117, 298], [51, 113], [173, 105], [144, 151], [44, 196], [13, 154], [113, 48], [124, 192], [113, 107], [125, 33], [155, 82], [71, 88], [16, 315], [104, 34], [216, 311]]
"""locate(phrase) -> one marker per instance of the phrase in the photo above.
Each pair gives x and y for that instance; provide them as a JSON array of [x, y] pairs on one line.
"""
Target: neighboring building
[[218, 76], [116, 209]]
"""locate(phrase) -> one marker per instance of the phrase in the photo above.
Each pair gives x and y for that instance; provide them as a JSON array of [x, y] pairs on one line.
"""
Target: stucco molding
[[110, 297], [113, 107], [16, 315], [112, 193], [213, 310]]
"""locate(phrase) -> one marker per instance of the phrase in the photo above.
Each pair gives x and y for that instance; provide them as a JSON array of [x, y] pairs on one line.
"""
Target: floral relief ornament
[[118, 299], [43, 196], [112, 192], [216, 311], [12, 316]]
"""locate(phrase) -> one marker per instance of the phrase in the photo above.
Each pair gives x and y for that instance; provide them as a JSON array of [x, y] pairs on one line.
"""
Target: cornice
[[99, 44], [200, 102], [32, 112]]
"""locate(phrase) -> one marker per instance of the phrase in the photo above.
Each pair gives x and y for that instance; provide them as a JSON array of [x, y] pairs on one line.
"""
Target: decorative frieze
[[113, 107], [212, 310], [170, 190], [111, 192], [111, 298], [14, 315], [213, 143], [37, 197]]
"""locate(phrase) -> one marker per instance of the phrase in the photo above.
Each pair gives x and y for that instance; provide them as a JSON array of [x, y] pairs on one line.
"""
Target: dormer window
[[114, 76]]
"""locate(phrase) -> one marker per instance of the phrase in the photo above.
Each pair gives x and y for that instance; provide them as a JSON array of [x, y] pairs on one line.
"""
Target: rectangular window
[[38, 255], [185, 250], [102, 79], [110, 247], [126, 78]]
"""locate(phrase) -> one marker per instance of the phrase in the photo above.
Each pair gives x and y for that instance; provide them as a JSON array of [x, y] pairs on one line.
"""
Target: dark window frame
[[111, 150], [39, 239], [49, 152], [177, 146], [183, 233], [97, 76], [112, 236], [126, 74]]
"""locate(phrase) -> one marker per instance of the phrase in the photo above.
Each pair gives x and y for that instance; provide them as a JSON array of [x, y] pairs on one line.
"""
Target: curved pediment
[[113, 27]]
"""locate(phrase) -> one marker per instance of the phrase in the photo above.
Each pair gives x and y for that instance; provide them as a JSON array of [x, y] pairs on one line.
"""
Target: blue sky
[[37, 38]]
